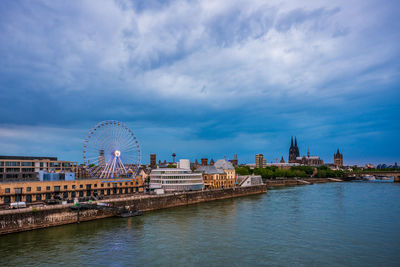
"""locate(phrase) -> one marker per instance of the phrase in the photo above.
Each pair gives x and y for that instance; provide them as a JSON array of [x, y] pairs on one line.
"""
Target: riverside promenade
[[12, 221]]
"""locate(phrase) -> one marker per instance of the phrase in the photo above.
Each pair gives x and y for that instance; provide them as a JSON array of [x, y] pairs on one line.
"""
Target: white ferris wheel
[[111, 150]]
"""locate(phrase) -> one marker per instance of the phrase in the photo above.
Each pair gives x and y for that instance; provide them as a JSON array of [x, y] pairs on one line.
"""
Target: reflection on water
[[348, 224]]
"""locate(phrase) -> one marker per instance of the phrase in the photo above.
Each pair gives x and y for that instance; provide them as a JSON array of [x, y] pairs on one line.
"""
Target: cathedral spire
[[291, 143], [295, 141]]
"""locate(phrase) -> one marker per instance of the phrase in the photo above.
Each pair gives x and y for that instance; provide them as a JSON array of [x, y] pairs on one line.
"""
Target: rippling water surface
[[352, 224]]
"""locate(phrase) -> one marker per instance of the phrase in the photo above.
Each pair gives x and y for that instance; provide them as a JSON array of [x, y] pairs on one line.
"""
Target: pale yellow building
[[37, 191]]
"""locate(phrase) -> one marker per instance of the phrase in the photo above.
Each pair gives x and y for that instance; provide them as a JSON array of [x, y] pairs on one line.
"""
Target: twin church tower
[[294, 156], [293, 151]]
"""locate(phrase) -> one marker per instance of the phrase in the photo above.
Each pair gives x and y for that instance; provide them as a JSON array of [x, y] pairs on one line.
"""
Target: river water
[[335, 224]]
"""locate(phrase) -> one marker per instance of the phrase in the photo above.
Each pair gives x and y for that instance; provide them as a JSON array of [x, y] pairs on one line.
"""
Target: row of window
[[57, 188], [18, 163], [17, 170], [175, 177], [66, 195]]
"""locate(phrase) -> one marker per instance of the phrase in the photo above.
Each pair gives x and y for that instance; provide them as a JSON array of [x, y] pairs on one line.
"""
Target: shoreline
[[19, 220], [13, 221], [295, 182]]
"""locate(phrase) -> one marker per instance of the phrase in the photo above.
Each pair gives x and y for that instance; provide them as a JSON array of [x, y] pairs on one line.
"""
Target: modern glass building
[[174, 179]]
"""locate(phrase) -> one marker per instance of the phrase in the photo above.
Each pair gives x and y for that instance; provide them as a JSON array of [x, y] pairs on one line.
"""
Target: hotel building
[[176, 179], [39, 192], [21, 168]]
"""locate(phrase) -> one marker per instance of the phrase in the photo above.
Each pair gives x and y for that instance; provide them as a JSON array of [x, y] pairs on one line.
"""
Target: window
[[65, 195], [95, 185], [38, 188], [47, 187], [81, 193], [131, 183], [81, 186], [38, 197], [28, 189], [7, 190], [12, 170], [102, 185], [57, 188], [18, 190], [120, 183], [73, 194], [73, 186], [65, 186], [126, 183], [102, 191], [27, 164], [1, 163], [48, 196], [12, 163], [28, 198], [7, 199], [54, 164]]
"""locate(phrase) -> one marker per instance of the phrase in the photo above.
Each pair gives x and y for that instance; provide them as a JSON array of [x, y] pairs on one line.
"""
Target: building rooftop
[[223, 164], [27, 158], [210, 170]]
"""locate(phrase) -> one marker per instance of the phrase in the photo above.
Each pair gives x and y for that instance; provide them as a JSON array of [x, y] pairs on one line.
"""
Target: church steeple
[[295, 141], [291, 143]]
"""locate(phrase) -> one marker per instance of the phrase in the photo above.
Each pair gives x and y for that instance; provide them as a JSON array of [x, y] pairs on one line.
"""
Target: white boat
[[369, 178]]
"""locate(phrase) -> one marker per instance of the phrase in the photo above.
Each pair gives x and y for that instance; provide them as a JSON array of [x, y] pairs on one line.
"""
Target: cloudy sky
[[203, 78]]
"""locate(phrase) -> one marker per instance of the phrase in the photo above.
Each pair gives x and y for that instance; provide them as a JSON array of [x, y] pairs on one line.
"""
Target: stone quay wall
[[293, 182], [12, 221]]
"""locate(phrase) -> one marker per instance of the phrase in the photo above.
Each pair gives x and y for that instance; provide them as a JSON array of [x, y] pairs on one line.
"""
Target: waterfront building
[[22, 168], [338, 159], [249, 180], [220, 175], [37, 191], [230, 171], [55, 176], [261, 162], [214, 177], [153, 161], [176, 179], [294, 152]]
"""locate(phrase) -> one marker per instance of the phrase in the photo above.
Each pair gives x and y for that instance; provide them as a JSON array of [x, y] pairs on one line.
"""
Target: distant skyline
[[203, 78]]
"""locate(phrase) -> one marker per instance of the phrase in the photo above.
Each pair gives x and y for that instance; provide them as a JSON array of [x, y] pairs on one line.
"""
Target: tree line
[[273, 172]]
